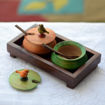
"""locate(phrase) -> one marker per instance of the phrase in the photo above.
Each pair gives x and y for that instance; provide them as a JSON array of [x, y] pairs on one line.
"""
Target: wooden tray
[[15, 49]]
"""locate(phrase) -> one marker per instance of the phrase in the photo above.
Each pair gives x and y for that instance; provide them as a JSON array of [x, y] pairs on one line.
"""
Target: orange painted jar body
[[34, 43]]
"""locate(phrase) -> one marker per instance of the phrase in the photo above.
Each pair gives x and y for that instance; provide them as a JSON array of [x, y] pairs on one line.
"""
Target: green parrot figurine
[[42, 30]]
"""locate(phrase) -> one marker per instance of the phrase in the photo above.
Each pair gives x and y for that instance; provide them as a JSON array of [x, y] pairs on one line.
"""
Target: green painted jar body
[[70, 64]]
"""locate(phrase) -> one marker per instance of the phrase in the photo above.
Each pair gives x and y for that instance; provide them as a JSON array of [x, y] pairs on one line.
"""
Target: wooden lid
[[17, 83], [35, 39]]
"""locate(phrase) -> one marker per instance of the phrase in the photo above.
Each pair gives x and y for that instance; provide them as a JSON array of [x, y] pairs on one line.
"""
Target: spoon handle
[[23, 30]]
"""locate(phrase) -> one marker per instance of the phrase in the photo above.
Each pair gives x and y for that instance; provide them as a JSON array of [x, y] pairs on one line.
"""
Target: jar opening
[[70, 50]]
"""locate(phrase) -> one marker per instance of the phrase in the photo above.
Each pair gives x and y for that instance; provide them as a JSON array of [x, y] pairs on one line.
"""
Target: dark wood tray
[[15, 49]]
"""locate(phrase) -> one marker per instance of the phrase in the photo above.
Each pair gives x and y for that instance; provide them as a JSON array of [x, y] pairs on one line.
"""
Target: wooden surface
[[72, 79], [35, 39]]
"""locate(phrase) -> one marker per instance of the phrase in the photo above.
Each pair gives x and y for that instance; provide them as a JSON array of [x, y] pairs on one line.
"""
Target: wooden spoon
[[59, 53], [23, 30]]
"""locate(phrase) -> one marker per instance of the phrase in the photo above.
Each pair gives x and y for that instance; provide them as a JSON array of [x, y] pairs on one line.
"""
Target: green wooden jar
[[69, 48]]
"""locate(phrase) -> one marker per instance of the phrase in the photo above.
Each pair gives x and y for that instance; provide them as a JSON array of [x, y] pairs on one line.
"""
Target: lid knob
[[42, 30], [23, 74]]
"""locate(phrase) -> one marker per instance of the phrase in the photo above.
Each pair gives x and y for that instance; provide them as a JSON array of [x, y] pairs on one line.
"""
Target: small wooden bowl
[[69, 48]]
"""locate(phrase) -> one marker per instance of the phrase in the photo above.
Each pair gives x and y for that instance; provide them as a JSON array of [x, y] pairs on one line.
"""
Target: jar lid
[[36, 39]]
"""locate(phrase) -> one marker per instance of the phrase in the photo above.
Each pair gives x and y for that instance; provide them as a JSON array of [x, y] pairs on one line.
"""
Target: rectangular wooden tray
[[72, 79]]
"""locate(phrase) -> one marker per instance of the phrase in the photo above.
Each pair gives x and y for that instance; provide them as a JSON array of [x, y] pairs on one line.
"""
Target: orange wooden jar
[[33, 43]]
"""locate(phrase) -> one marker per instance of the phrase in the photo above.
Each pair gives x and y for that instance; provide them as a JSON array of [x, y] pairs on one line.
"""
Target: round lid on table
[[36, 39], [16, 82]]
